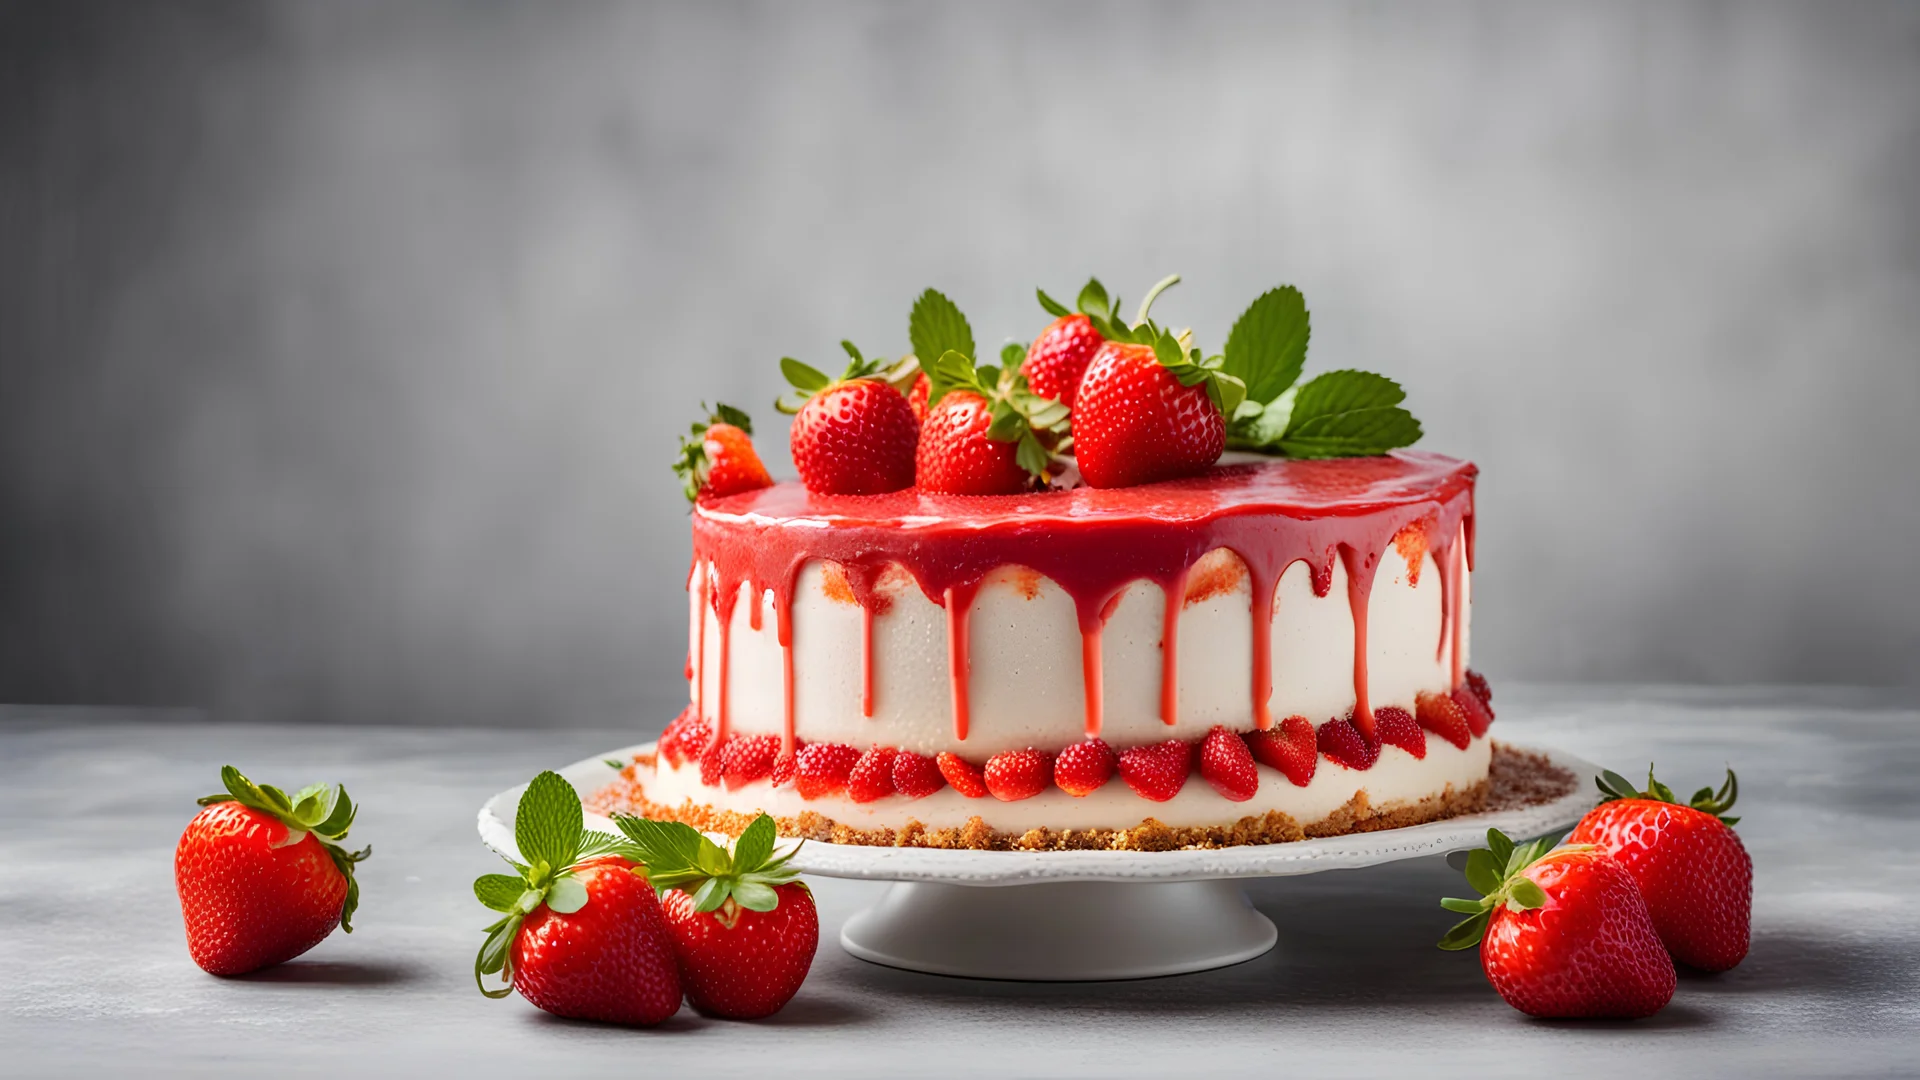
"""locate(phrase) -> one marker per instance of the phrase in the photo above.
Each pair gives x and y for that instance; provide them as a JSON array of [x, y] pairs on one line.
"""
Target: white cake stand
[[1070, 916]]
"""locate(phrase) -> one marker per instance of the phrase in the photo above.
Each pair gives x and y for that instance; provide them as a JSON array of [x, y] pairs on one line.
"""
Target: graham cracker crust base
[[1515, 778]]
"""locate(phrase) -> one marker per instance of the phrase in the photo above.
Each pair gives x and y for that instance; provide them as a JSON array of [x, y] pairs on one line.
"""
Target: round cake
[[1271, 649]]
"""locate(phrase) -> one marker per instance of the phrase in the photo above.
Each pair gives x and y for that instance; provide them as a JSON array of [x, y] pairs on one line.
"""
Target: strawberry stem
[[1146, 302]]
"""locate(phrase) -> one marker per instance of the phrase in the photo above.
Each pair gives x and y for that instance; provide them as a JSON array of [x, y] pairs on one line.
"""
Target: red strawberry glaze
[[1092, 542], [1176, 598]]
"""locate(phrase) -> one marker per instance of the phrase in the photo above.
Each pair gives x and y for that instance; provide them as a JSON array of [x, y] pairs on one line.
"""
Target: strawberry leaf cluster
[[1497, 872], [678, 856], [808, 381], [1175, 352], [691, 463], [549, 828], [1335, 414], [1093, 302], [323, 810], [1614, 786], [1038, 425]]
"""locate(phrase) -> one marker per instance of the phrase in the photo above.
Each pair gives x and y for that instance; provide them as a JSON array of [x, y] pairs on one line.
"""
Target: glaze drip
[[1175, 593], [1093, 543]]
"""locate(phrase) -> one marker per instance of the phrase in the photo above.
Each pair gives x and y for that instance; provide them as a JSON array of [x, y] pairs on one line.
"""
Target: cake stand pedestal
[[1065, 931], [1068, 916]]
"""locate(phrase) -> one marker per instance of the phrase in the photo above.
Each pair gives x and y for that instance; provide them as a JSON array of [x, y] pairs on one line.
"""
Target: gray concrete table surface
[[97, 977]]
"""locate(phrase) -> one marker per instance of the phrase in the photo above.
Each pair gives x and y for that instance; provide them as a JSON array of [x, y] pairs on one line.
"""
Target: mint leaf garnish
[[548, 825], [1348, 414], [936, 326], [1268, 343]]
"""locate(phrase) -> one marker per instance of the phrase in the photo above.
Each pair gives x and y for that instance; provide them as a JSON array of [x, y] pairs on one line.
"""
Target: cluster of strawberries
[[1130, 402], [1594, 928], [593, 926], [1225, 759], [621, 928]]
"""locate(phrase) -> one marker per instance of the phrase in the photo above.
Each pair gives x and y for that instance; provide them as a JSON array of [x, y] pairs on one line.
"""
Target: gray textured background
[[343, 344]]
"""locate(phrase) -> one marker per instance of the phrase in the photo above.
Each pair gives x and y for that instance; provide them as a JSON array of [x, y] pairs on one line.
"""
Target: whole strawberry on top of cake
[[1110, 593]]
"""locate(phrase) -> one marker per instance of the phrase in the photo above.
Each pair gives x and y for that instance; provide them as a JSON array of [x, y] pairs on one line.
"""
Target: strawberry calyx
[[549, 829], [1101, 310], [679, 856], [1174, 351], [691, 464], [1498, 873], [810, 382], [1614, 786], [1039, 425], [323, 810]]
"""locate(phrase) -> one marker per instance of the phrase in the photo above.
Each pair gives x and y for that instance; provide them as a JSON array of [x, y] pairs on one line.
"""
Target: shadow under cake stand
[[1073, 916]]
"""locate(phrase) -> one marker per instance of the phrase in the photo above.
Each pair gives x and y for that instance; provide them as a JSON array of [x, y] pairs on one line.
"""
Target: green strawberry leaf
[[661, 844], [755, 845], [338, 812], [936, 326], [1614, 786], [1525, 894], [1498, 872], [727, 414], [1483, 873], [711, 893], [1348, 414], [1499, 846], [1467, 933], [1093, 300], [804, 377], [344, 861], [1017, 414], [1053, 307], [1258, 427], [1267, 346], [501, 892], [755, 896], [678, 856], [566, 895], [493, 957], [549, 822], [1012, 355]]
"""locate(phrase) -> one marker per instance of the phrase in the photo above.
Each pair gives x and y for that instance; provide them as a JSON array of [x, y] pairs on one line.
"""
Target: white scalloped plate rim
[[987, 868]]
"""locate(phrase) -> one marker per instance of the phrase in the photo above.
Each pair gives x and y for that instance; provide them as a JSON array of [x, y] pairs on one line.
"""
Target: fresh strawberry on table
[[261, 874], [851, 435], [744, 930], [581, 932], [1562, 933], [717, 456], [1693, 870], [1150, 406], [986, 433], [1060, 355]]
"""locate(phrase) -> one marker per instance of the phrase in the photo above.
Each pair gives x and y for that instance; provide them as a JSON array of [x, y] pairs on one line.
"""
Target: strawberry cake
[[1144, 641]]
